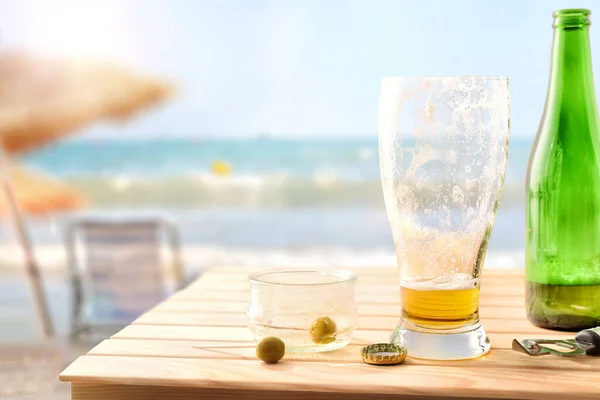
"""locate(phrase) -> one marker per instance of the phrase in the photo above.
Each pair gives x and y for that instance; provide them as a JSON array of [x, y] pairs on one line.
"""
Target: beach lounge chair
[[117, 271]]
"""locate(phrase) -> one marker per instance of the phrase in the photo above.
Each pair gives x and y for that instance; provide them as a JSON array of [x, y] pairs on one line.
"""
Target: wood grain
[[139, 392], [298, 376], [216, 334], [158, 317], [390, 308], [200, 289], [196, 345], [350, 354], [362, 272], [175, 321], [372, 293]]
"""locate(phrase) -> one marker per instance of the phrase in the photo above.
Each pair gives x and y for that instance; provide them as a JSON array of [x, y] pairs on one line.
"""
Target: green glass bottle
[[563, 188]]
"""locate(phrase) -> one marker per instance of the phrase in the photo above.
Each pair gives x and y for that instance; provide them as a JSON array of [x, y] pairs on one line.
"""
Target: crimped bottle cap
[[383, 354]]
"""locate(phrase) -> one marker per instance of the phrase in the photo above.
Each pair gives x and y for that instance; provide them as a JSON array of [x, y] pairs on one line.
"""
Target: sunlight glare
[[92, 28]]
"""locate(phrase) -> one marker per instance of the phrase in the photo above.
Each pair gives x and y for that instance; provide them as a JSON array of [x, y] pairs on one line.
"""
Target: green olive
[[322, 330], [270, 350]]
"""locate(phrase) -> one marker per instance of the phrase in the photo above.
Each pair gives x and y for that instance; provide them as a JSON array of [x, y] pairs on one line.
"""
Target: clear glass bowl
[[293, 305]]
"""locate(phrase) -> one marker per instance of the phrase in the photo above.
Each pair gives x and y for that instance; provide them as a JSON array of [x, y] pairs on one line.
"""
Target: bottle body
[[563, 192]]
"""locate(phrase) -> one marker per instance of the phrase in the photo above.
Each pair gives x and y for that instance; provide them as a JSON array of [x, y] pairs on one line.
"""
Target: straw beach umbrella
[[37, 194], [41, 101]]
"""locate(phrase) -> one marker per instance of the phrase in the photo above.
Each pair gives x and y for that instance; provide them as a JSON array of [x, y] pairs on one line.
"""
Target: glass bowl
[[310, 310]]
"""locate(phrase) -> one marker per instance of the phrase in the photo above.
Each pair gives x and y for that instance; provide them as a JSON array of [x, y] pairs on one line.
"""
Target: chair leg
[[74, 332], [76, 304], [80, 332]]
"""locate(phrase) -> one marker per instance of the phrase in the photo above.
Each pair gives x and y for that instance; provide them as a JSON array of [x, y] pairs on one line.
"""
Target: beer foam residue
[[443, 146], [454, 282]]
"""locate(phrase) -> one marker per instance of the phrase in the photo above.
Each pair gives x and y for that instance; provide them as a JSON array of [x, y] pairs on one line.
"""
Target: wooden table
[[154, 358]]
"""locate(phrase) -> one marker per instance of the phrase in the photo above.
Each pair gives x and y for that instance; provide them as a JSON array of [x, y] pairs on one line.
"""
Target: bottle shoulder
[[567, 139], [570, 153]]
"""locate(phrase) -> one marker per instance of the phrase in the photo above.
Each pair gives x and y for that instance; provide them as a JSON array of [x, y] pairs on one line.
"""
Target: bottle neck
[[571, 77], [572, 60]]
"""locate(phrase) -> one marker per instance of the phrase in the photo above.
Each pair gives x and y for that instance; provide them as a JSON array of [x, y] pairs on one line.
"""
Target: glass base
[[470, 342], [317, 348]]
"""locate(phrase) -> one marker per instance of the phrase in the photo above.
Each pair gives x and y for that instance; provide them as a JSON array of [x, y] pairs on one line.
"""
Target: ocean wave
[[324, 188]]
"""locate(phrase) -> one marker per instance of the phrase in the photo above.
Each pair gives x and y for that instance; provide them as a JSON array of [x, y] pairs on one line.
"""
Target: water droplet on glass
[[470, 212], [458, 195]]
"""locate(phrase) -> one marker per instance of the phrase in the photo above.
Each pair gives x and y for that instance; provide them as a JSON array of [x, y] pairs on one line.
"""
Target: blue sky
[[295, 68]]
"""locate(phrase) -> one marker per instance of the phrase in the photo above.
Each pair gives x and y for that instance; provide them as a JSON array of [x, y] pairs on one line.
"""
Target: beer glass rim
[[312, 277]]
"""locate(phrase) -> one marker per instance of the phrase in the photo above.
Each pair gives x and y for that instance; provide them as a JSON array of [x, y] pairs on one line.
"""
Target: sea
[[281, 201]]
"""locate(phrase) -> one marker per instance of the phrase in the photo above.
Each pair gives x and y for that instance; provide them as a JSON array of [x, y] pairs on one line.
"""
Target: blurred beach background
[[265, 154]]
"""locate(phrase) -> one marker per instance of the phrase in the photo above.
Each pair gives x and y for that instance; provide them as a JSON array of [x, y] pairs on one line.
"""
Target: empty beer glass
[[443, 148]]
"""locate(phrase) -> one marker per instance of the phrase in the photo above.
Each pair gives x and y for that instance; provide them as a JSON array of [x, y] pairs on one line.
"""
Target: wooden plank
[[392, 308], [197, 289], [145, 392], [364, 322], [362, 287], [371, 270], [298, 376], [221, 333], [157, 317], [220, 278], [502, 339], [497, 358], [194, 294], [245, 271], [387, 294]]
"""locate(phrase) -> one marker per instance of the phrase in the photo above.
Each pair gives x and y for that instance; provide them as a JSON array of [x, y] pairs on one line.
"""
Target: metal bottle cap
[[383, 354]]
